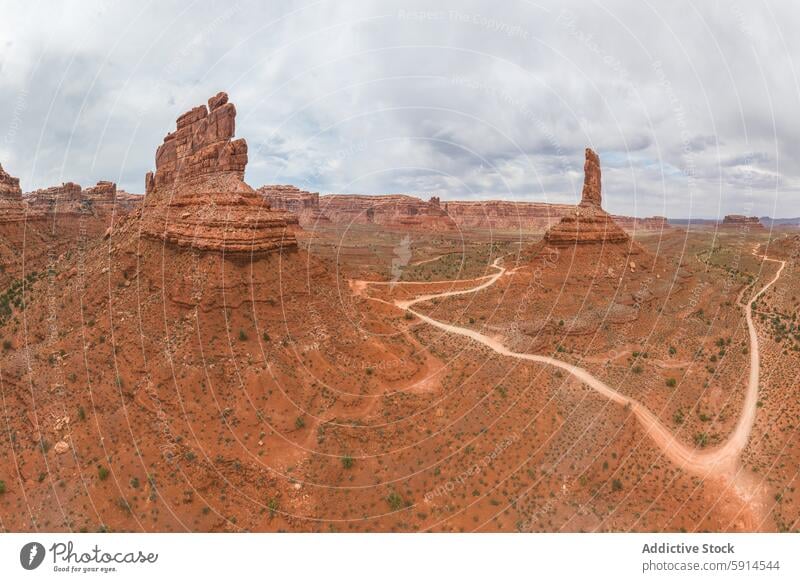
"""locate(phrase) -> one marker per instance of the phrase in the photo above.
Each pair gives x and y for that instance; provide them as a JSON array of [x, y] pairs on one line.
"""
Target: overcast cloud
[[692, 106]]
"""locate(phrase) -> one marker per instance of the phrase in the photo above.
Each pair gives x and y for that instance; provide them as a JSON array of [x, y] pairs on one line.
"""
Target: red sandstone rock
[[505, 214], [299, 202], [591, 180], [587, 223], [11, 205], [197, 196], [390, 210]]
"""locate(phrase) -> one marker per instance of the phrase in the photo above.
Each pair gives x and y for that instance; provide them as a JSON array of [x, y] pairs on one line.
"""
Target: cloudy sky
[[692, 106]]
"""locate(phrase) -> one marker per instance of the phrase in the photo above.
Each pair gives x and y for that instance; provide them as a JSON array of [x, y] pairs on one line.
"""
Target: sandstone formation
[[390, 210], [740, 220], [505, 214], [11, 206], [56, 201], [104, 198], [587, 223], [197, 196], [299, 202]]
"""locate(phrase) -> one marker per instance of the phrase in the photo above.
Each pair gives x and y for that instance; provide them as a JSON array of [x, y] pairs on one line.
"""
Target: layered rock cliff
[[390, 210], [738, 220], [305, 205], [197, 196]]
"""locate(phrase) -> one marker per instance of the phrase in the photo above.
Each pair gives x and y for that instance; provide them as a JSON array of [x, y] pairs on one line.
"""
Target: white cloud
[[471, 99]]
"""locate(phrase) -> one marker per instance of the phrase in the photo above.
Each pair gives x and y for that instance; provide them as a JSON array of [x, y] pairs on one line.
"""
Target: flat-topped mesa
[[12, 208], [299, 202], [587, 223], [399, 211], [197, 196], [732, 220]]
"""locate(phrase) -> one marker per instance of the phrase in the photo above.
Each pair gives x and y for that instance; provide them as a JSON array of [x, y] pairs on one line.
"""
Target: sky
[[692, 106]]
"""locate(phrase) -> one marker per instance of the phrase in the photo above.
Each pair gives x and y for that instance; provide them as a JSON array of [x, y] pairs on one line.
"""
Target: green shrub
[[671, 382], [102, 472], [395, 501], [347, 461]]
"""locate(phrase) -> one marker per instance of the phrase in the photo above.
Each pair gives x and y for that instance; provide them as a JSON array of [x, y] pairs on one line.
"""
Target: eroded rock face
[[197, 196], [63, 200], [104, 198], [591, 180], [505, 214], [11, 206], [587, 223], [391, 210], [742, 220], [299, 202]]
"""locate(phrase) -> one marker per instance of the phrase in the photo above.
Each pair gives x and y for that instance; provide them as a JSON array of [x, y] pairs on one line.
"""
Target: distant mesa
[[742, 220], [305, 205], [587, 223], [399, 211], [197, 196], [63, 206]]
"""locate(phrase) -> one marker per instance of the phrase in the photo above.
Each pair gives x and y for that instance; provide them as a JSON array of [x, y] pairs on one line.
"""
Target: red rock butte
[[587, 223], [198, 198]]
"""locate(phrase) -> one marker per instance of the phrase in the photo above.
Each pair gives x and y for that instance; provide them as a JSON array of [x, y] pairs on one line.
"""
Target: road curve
[[721, 460]]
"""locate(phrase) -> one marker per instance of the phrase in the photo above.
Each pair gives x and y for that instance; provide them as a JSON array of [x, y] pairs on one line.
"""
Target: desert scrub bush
[[2, 487], [299, 423], [395, 501], [102, 472], [671, 382], [347, 461], [242, 335]]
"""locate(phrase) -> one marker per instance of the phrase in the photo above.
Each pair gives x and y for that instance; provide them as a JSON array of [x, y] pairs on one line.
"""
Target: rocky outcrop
[[12, 208], [57, 201], [305, 205], [587, 223], [390, 210], [740, 220], [197, 196], [104, 199]]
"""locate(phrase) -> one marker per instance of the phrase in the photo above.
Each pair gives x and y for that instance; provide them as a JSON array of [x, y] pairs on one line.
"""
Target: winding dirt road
[[721, 460]]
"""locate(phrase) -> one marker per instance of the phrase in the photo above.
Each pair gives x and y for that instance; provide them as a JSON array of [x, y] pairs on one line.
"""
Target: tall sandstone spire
[[197, 196], [587, 223]]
